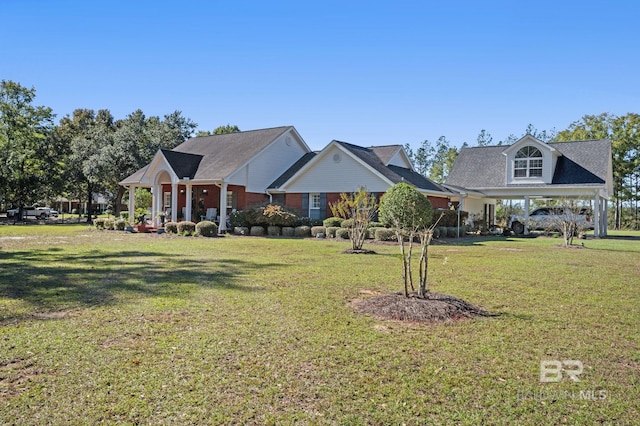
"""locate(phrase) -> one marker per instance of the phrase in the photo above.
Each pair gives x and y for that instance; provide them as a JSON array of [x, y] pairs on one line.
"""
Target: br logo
[[552, 371]]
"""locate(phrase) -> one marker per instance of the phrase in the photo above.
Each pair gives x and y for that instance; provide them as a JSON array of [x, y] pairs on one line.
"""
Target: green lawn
[[122, 328]]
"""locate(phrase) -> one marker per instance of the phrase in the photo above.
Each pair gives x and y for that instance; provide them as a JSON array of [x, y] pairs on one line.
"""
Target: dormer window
[[528, 163]]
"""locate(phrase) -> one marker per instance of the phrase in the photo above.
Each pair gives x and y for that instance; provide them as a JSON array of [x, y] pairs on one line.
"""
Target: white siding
[[268, 165], [400, 160], [329, 175]]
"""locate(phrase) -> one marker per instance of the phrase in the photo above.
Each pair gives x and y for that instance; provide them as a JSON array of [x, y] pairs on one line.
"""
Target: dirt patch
[[437, 308], [361, 251]]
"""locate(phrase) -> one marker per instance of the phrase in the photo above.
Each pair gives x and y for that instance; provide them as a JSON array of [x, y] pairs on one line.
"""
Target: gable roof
[[183, 164], [376, 158], [211, 158], [580, 162]]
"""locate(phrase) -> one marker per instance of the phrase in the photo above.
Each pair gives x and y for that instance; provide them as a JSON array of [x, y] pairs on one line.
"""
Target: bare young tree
[[359, 208]]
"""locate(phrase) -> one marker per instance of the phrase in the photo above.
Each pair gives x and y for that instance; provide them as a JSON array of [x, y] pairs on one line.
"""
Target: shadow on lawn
[[53, 280]]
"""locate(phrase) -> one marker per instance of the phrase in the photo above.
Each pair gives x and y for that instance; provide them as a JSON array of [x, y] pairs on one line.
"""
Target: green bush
[[347, 223], [452, 232], [241, 230], [315, 230], [207, 229], [436, 233], [171, 227], [99, 223], [256, 231], [302, 231], [442, 231], [375, 225], [307, 221], [288, 231], [450, 217], [331, 231], [124, 215], [385, 234], [269, 214], [371, 232], [119, 224], [238, 219], [273, 231], [332, 222], [186, 228], [342, 233]]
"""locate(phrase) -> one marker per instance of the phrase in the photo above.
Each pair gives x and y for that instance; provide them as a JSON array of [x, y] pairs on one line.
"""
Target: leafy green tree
[[220, 130], [409, 212], [28, 156], [484, 138], [443, 159], [360, 208], [624, 133]]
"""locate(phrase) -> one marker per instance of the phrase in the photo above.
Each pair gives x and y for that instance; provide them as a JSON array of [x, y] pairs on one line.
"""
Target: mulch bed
[[438, 307]]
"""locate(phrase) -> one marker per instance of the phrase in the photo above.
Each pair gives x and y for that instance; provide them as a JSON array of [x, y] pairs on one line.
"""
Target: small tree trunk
[[404, 264], [424, 262], [409, 272]]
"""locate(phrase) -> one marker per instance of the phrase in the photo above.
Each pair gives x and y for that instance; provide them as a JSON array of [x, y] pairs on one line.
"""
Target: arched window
[[528, 163]]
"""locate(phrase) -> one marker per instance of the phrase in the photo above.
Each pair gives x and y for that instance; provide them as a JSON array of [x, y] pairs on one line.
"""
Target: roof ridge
[[243, 131]]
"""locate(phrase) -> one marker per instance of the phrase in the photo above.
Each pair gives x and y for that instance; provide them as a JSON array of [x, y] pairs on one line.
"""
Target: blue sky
[[369, 73]]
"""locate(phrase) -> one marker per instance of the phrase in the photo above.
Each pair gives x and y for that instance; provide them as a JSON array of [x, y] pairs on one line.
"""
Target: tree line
[[86, 153], [89, 152]]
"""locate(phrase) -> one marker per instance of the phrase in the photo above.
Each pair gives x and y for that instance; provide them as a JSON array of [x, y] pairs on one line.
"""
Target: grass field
[[107, 327]]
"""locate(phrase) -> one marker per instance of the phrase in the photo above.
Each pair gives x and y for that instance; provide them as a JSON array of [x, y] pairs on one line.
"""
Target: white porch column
[[596, 216], [154, 203], [605, 216], [174, 202], [132, 204], [223, 207], [189, 195], [526, 215]]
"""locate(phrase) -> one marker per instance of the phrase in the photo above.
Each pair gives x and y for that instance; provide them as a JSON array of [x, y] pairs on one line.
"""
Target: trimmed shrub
[[375, 225], [119, 224], [452, 232], [99, 223], [109, 224], [256, 231], [302, 231], [331, 231], [207, 228], [385, 234], [436, 233], [371, 232], [171, 227], [241, 230], [342, 233], [273, 231], [315, 230], [288, 231], [186, 228], [347, 223], [124, 215], [332, 222], [238, 219], [442, 231]]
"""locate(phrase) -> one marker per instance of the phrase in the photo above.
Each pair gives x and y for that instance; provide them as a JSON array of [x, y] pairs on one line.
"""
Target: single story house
[[532, 169], [221, 173]]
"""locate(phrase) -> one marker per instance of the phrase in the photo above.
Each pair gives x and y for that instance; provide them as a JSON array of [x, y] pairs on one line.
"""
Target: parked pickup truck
[[37, 212], [549, 219]]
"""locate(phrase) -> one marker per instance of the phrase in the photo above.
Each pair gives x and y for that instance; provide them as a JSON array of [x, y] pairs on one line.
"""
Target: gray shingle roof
[[394, 173], [215, 157], [581, 162]]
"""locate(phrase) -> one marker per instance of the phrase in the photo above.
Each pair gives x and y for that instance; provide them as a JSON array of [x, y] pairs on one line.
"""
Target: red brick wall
[[294, 201], [439, 202]]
